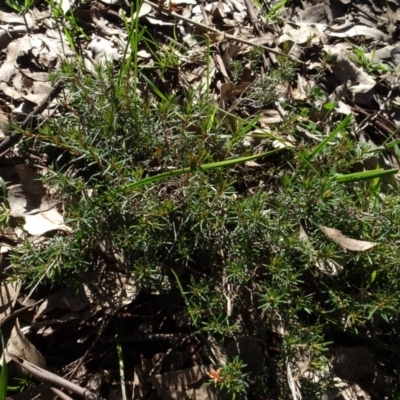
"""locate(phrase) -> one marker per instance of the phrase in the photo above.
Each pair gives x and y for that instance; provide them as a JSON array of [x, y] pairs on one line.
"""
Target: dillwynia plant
[[163, 180]]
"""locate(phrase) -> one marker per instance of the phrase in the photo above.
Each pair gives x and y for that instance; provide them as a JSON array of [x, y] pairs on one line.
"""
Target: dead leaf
[[219, 10], [8, 297], [229, 90], [16, 19], [215, 37], [313, 14], [304, 33], [49, 50], [345, 242], [10, 91], [20, 346], [40, 215], [361, 30], [112, 290], [28, 200], [31, 181], [103, 50], [3, 124], [15, 49], [65, 5], [144, 10], [268, 117], [181, 379]]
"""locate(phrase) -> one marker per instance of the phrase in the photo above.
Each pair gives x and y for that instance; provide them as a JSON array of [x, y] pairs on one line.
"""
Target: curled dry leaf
[[345, 242], [103, 51], [65, 5], [269, 117], [31, 182], [15, 49], [361, 30], [20, 346], [16, 19], [112, 290], [29, 201], [3, 124], [304, 33], [8, 297], [229, 90], [187, 381]]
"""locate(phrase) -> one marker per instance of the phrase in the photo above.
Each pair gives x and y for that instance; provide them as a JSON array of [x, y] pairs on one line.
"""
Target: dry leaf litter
[[33, 46]]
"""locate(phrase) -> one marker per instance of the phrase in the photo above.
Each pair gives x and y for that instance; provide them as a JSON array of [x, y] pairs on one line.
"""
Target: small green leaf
[[330, 106]]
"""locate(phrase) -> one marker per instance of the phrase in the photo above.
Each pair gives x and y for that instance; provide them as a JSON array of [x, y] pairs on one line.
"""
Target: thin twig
[[50, 378], [120, 362], [252, 15], [105, 323], [17, 312], [60, 394]]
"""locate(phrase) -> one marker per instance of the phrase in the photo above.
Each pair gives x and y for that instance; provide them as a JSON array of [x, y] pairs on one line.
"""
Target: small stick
[[50, 378], [60, 394], [104, 325], [252, 14]]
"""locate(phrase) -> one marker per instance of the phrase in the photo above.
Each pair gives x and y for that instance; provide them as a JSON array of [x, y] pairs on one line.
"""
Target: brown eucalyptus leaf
[[31, 181], [346, 242], [3, 124], [361, 30], [20, 346], [8, 297]]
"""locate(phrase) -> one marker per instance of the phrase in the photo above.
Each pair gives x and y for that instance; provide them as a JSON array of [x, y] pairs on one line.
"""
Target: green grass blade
[[188, 307], [5, 192], [203, 167], [340, 128], [3, 380], [156, 90], [3, 373], [120, 362], [275, 9], [307, 159], [365, 175]]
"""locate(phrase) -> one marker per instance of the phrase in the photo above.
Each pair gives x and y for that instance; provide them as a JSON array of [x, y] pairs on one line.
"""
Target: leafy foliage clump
[[243, 244]]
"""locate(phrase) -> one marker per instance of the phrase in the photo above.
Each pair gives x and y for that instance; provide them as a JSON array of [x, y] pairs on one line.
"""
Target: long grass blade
[[120, 362], [339, 129], [3, 373], [203, 167], [365, 175]]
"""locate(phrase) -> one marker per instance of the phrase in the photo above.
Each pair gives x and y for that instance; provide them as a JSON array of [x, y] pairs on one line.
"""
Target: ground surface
[[160, 312]]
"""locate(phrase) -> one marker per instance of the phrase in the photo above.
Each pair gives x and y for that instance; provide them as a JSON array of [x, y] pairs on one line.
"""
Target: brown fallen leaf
[[230, 90], [40, 214], [345, 242], [31, 181], [183, 379], [8, 297], [361, 30], [112, 290], [19, 345]]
